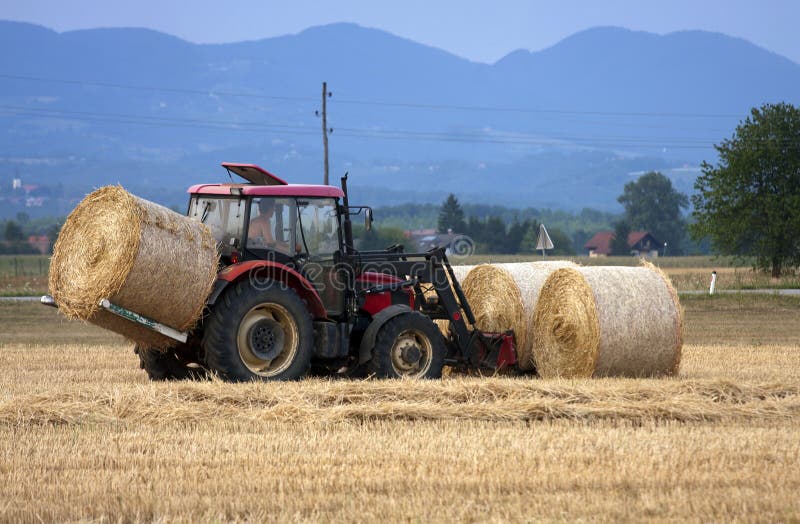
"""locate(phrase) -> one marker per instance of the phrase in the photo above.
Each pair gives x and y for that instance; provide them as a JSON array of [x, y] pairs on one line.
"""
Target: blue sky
[[480, 30]]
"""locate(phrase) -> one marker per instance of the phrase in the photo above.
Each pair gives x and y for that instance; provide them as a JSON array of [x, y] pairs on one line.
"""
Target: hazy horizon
[[472, 29]]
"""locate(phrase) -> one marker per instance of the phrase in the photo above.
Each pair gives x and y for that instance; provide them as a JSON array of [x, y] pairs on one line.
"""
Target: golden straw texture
[[607, 321], [495, 300], [139, 255], [566, 330], [530, 277], [679, 323]]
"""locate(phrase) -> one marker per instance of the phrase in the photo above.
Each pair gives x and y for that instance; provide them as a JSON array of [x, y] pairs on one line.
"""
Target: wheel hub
[[411, 354], [266, 339]]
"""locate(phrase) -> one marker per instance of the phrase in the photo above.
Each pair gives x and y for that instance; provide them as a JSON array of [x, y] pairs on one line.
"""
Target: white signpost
[[543, 242]]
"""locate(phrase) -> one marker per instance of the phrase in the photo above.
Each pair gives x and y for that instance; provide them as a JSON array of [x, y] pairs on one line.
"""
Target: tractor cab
[[292, 225]]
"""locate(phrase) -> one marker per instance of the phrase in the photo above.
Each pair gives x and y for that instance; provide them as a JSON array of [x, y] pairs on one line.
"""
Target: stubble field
[[84, 435]]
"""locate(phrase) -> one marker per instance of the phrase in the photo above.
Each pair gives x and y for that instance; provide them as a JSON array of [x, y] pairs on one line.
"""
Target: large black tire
[[408, 345], [167, 365], [254, 334]]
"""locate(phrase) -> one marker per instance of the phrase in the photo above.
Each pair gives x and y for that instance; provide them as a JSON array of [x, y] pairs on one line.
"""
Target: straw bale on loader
[[138, 255]]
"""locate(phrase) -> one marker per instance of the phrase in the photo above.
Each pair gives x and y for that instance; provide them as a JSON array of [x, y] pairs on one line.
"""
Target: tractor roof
[[254, 174], [301, 190], [263, 183]]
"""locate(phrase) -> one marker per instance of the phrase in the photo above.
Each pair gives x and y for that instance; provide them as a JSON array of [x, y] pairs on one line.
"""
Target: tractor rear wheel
[[167, 365], [255, 334], [409, 345]]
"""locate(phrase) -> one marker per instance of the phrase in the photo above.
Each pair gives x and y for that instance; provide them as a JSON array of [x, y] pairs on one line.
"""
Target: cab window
[[223, 217], [320, 232], [271, 224]]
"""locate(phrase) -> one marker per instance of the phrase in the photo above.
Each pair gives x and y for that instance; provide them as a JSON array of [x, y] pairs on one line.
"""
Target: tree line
[[15, 233], [651, 204]]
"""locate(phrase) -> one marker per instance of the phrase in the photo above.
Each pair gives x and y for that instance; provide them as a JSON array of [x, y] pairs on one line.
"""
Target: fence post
[[16, 269]]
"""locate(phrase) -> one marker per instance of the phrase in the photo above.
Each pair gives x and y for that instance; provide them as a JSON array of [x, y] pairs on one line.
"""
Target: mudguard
[[263, 269], [383, 316]]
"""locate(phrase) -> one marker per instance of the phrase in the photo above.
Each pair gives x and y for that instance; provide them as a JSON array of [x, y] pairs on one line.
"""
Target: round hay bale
[[495, 300], [140, 256], [503, 296], [607, 321], [529, 278]]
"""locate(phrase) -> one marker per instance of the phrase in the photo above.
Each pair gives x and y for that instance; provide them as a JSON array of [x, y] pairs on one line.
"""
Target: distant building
[[16, 183], [40, 242], [425, 239], [640, 243]]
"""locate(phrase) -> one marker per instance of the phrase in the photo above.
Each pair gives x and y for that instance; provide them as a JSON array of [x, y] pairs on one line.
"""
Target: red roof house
[[40, 242], [641, 243]]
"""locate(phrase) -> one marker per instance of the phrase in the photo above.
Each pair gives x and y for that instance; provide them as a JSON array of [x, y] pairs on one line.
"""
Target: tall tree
[[619, 244], [495, 236], [528, 242], [749, 203], [13, 232], [652, 204], [516, 232], [451, 216], [562, 243]]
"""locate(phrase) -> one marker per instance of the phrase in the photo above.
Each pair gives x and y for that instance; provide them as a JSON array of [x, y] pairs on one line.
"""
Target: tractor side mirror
[[368, 219]]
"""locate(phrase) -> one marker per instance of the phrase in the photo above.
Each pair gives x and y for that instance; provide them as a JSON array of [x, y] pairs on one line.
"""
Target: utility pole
[[325, 129]]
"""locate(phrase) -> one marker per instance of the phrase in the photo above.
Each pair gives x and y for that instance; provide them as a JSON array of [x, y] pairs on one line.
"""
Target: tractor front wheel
[[259, 334], [409, 345]]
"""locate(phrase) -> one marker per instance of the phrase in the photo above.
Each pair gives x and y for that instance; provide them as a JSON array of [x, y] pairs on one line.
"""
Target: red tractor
[[293, 294]]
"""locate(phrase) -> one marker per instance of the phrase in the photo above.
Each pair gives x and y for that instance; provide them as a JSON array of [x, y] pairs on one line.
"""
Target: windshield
[[320, 230], [223, 216]]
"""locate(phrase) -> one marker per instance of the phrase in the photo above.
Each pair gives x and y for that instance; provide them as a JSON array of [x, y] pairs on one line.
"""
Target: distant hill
[[563, 127]]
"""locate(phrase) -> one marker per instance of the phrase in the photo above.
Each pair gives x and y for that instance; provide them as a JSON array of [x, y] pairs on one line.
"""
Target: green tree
[[495, 237], [528, 243], [516, 232], [451, 216], [749, 203], [562, 243], [619, 244], [652, 204], [380, 237], [13, 232]]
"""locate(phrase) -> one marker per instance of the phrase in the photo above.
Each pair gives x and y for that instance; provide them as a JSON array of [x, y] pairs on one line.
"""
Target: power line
[[59, 112], [354, 101], [154, 88], [509, 139], [584, 142], [145, 122], [251, 126], [521, 136], [500, 109]]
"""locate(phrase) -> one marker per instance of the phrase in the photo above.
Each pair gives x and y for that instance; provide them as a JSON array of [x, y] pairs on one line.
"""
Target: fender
[[263, 270], [383, 316]]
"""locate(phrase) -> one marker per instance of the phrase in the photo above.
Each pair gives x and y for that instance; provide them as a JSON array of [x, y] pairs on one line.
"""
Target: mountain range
[[565, 127]]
